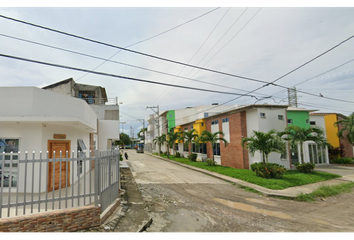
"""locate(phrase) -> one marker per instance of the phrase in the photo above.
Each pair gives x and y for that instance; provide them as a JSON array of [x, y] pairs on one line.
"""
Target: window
[[202, 124], [10, 147], [186, 129], [206, 115], [225, 120], [307, 120], [262, 115], [216, 149], [214, 122], [290, 121], [202, 148], [81, 149], [176, 146], [280, 117], [191, 127], [88, 96], [312, 122]]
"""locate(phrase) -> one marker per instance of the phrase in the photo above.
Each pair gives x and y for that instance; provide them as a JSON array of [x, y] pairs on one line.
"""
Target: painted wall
[[299, 118], [170, 116], [108, 130], [269, 122], [34, 137], [332, 130]]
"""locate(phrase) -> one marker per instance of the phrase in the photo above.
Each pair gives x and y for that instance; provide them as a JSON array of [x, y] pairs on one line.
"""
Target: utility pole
[[158, 124], [143, 122], [292, 97]]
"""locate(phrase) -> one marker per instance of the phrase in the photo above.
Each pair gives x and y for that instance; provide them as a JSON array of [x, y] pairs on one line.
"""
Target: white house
[[37, 120]]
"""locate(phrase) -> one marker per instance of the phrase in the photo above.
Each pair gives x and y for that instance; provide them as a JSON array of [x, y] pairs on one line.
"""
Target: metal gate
[[107, 169]]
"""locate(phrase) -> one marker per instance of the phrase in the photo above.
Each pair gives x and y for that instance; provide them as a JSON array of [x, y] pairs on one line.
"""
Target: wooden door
[[57, 146]]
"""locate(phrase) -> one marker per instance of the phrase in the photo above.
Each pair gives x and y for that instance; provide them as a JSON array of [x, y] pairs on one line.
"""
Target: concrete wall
[[34, 137], [108, 130], [30, 104], [269, 122]]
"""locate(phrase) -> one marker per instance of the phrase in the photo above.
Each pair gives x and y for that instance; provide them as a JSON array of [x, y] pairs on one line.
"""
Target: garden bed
[[291, 178]]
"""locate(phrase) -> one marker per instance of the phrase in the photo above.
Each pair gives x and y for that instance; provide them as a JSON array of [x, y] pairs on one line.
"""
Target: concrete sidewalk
[[288, 192]]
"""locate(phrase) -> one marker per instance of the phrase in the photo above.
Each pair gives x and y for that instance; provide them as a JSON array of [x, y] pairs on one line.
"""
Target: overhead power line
[[177, 62], [117, 76], [129, 50], [159, 34]]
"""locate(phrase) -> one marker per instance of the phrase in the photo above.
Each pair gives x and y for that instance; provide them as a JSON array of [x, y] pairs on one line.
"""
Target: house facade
[[237, 124], [327, 121], [106, 109], [35, 120], [312, 152]]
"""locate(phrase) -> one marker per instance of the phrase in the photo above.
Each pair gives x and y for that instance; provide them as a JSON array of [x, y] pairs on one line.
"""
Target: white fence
[[33, 185]]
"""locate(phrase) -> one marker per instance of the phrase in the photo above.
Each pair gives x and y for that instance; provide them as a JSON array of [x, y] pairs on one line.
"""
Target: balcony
[[100, 101]]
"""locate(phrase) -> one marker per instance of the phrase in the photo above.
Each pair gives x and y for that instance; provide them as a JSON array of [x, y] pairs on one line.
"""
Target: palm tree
[[189, 137], [171, 139], [265, 143], [297, 135], [212, 138], [160, 140], [347, 128]]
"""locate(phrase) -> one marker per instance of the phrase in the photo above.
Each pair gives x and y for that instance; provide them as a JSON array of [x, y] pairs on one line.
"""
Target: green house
[[299, 117]]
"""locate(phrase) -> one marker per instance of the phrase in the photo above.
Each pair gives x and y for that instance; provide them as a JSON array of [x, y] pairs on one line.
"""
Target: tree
[[160, 140], [212, 138], [347, 128], [171, 139], [188, 137], [265, 143], [141, 134], [297, 135], [124, 139]]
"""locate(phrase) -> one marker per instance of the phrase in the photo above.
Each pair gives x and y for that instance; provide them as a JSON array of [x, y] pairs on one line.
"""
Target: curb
[[291, 192]]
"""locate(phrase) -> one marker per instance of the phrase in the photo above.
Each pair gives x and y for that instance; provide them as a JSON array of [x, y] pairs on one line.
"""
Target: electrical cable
[[182, 82], [130, 50], [176, 62], [159, 34], [165, 92], [117, 76]]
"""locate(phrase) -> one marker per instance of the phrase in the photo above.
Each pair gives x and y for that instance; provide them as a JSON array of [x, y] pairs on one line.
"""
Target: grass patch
[[326, 191], [291, 178], [248, 189]]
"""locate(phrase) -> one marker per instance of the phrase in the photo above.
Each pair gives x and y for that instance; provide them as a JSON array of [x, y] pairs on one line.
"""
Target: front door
[[54, 170]]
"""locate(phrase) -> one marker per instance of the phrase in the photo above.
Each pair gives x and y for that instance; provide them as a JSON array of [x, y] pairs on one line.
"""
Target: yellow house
[[332, 130], [177, 129], [327, 122], [199, 126]]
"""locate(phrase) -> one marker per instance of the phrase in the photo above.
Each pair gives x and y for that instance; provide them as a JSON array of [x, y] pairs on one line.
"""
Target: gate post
[[96, 178]]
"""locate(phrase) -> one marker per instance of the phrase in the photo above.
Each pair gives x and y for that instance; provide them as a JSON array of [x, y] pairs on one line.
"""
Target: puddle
[[250, 208], [268, 203]]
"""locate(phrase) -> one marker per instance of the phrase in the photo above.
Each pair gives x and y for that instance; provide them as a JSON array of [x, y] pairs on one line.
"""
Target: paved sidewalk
[[288, 192]]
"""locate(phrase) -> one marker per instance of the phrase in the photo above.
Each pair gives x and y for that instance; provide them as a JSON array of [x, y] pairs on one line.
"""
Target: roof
[[58, 83], [325, 114], [245, 107], [296, 109]]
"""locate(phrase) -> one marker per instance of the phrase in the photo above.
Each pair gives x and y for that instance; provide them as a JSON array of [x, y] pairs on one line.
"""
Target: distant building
[[106, 109]]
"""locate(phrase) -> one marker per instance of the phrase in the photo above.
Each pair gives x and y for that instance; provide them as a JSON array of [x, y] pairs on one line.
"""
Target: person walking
[[126, 155]]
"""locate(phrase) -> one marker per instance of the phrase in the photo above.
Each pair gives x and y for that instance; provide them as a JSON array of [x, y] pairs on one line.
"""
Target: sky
[[257, 42]]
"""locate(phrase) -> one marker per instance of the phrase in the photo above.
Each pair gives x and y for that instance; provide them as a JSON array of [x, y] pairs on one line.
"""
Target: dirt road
[[182, 200]]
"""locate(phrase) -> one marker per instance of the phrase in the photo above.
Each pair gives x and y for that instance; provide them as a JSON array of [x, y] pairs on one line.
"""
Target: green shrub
[[342, 160], [192, 157], [305, 167], [270, 170], [120, 157], [178, 154], [165, 153], [210, 162]]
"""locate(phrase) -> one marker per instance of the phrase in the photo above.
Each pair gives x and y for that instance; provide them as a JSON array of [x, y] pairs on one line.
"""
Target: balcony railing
[[101, 101]]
